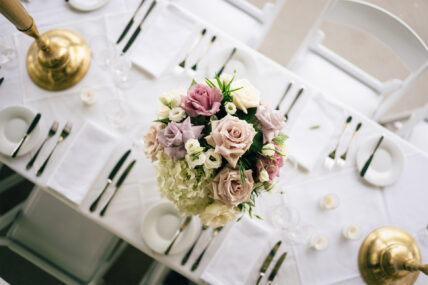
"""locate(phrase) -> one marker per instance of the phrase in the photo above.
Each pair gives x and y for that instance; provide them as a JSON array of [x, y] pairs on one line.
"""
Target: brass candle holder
[[390, 256], [58, 59]]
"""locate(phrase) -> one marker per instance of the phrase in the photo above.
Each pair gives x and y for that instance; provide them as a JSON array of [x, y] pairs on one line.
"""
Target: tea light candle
[[319, 242], [88, 96], [352, 232], [329, 202]]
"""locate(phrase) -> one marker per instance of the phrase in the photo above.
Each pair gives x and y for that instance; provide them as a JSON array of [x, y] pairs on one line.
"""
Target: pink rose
[[272, 164], [201, 100], [175, 135], [231, 137], [227, 186], [151, 144], [271, 122]]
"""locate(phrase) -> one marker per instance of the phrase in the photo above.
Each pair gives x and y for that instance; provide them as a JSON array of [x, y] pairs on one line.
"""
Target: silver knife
[[267, 261], [177, 234], [294, 102], [29, 130], [276, 268], [128, 26], [369, 161], [112, 174]]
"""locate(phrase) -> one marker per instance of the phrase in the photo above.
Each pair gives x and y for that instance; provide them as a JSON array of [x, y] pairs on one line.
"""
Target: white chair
[[238, 18], [60, 241], [343, 80]]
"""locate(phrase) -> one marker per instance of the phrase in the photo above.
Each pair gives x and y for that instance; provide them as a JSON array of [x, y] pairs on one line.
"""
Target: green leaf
[[165, 121], [249, 117], [257, 144], [193, 83], [280, 139]]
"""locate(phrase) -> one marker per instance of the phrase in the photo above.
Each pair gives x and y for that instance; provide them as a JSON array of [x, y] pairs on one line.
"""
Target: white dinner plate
[[387, 164], [87, 5], [159, 225], [241, 61], [14, 122]]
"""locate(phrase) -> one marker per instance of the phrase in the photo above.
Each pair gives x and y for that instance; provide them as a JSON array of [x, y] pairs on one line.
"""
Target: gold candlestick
[[390, 256], [58, 59]]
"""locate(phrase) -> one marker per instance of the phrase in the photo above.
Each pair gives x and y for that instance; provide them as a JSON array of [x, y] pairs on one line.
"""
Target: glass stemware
[[423, 236], [7, 53], [287, 218]]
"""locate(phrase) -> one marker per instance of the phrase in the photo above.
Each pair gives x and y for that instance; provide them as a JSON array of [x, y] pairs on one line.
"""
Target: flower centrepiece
[[215, 148]]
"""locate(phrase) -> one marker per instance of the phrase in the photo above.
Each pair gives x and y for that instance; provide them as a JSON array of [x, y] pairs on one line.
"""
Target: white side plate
[[87, 5]]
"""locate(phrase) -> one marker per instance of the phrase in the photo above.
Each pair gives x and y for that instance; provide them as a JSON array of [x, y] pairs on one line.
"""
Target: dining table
[[127, 112]]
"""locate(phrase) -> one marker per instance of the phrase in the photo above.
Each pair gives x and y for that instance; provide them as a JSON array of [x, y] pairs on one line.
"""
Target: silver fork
[[329, 160], [51, 133], [189, 252], [342, 159], [64, 134], [198, 260]]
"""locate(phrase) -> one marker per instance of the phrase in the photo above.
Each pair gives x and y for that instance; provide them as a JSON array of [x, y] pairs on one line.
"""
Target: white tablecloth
[[402, 205]]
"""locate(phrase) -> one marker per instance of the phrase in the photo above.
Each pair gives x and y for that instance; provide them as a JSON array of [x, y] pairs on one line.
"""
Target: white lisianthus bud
[[194, 159], [271, 187], [163, 111], [213, 160], [264, 176], [268, 149], [226, 78], [230, 108], [172, 99], [192, 145], [177, 114]]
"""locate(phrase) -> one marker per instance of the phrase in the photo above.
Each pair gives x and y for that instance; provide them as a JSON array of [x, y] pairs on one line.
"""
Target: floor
[[289, 29]]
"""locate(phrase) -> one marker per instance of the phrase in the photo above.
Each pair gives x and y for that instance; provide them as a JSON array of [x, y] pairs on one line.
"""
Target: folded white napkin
[[164, 39], [240, 256], [310, 133], [359, 205], [82, 162]]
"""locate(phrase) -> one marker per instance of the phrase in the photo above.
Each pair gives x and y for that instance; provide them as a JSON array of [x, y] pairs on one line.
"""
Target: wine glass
[[423, 236], [287, 218], [7, 53], [121, 70], [104, 51], [116, 111]]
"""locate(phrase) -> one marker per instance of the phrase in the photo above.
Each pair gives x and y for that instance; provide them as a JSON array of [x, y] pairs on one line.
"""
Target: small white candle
[[329, 202], [319, 242], [88, 96], [352, 232]]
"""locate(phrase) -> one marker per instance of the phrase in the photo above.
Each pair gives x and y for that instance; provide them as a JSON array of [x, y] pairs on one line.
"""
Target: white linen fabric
[[359, 205], [248, 242], [82, 162], [166, 35]]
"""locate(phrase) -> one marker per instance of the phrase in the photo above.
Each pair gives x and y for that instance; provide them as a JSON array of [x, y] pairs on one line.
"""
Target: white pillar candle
[[319, 242], [88, 96], [352, 232], [329, 202]]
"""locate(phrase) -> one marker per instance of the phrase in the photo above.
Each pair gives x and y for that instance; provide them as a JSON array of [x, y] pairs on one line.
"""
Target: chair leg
[[10, 182], [155, 274], [10, 216]]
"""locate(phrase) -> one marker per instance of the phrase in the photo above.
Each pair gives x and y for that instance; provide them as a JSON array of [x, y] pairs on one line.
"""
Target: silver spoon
[[51, 133]]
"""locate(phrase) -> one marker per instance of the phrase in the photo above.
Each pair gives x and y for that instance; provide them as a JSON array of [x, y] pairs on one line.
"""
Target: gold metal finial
[[390, 256], [58, 59]]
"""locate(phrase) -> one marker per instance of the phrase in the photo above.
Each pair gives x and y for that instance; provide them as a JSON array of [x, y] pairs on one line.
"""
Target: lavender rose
[[201, 100], [175, 135], [231, 137], [271, 122], [227, 186], [151, 144]]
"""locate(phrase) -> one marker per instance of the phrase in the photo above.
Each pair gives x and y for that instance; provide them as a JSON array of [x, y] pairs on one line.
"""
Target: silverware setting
[[182, 64], [290, 108], [276, 268], [268, 261], [110, 178], [177, 234], [342, 159], [130, 23], [330, 159], [226, 62], [64, 134], [204, 53], [189, 252], [283, 96], [138, 29], [118, 184], [369, 160], [30, 129], [52, 131], [195, 265]]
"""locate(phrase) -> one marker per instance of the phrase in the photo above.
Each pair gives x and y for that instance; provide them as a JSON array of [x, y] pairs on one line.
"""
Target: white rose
[[246, 97], [230, 108], [163, 111], [177, 114], [264, 176], [172, 99], [192, 145], [218, 215], [268, 149], [194, 160], [213, 160]]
